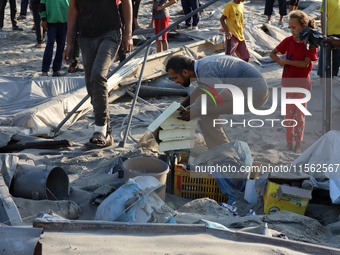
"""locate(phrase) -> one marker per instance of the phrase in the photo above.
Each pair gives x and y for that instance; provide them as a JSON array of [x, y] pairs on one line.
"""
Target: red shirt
[[296, 51]]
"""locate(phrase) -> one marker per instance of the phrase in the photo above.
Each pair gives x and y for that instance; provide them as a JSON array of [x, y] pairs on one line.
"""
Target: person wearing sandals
[[23, 10], [53, 16], [13, 7], [232, 23], [39, 31], [99, 39]]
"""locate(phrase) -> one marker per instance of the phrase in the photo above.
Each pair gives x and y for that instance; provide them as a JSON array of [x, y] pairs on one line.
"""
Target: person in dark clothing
[[13, 7], [99, 39], [23, 9], [39, 31], [268, 10]]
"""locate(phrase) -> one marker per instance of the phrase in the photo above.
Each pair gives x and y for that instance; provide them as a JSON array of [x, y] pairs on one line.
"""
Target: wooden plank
[[36, 145], [117, 226]]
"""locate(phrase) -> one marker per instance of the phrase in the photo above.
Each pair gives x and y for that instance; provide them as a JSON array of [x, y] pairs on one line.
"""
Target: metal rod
[[133, 54], [142, 100], [122, 143], [323, 72], [328, 87]]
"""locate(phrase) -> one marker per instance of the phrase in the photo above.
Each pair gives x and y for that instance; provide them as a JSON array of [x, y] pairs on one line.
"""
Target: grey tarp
[[38, 105]]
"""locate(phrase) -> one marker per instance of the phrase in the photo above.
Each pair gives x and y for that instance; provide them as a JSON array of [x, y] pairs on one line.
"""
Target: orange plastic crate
[[193, 185]]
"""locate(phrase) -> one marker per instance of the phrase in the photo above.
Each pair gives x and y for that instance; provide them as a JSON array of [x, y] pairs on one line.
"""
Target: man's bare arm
[[127, 36], [72, 16]]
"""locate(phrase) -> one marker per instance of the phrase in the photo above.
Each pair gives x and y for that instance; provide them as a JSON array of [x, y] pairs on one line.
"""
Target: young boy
[[53, 16], [232, 23], [161, 16]]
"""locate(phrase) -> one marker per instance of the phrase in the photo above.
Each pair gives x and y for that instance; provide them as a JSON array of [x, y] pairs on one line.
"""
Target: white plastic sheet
[[322, 161]]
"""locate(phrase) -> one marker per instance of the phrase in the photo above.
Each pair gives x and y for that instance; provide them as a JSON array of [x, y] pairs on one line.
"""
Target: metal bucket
[[40, 182]]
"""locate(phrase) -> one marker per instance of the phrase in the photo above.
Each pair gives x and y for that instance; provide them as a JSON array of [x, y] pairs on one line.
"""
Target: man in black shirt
[[100, 37]]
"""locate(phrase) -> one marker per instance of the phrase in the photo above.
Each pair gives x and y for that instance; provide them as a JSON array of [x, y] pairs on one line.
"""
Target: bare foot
[[288, 147], [298, 148]]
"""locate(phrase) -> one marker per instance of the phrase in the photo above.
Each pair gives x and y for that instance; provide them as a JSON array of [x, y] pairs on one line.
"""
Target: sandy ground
[[87, 171]]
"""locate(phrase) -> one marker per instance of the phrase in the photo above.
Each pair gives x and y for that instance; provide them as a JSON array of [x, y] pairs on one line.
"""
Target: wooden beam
[[36, 145]]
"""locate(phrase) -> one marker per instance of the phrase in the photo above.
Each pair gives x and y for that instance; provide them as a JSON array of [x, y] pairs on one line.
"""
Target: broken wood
[[145, 78], [156, 62], [36, 145]]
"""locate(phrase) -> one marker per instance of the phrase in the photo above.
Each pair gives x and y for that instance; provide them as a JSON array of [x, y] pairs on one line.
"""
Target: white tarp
[[38, 105], [322, 161]]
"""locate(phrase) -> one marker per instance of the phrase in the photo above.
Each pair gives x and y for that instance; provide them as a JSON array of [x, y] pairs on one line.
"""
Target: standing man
[[13, 6], [333, 30], [99, 39], [208, 72]]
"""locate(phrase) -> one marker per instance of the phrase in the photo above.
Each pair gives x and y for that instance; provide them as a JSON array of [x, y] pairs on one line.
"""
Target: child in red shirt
[[297, 66]]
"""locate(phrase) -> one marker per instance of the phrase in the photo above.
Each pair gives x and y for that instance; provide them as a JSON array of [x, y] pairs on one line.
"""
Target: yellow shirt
[[333, 16], [234, 14]]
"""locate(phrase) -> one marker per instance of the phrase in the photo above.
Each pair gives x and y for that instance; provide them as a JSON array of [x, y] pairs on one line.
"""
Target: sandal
[[98, 140]]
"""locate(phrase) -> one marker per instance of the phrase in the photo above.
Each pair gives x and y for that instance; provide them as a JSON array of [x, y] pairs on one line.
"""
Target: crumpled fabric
[[312, 38]]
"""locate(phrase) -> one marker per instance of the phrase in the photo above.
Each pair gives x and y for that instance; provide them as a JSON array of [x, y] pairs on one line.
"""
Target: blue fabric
[[227, 185], [55, 33]]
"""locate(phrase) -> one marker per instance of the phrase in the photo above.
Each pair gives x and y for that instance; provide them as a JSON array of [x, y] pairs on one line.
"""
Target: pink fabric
[[292, 112]]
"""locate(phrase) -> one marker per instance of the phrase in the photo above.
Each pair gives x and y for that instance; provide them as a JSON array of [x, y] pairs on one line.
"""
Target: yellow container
[[287, 202], [193, 185]]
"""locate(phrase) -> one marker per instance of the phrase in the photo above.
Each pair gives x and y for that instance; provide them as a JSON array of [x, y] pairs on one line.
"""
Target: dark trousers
[[268, 9], [55, 33], [135, 7], [189, 6], [34, 4], [335, 61], [98, 54], [23, 8], [13, 6]]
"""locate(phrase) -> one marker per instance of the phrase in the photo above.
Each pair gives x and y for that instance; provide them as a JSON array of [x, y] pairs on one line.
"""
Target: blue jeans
[[98, 54], [56, 33]]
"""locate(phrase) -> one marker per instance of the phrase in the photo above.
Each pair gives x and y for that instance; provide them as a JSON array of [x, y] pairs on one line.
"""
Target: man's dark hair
[[180, 62]]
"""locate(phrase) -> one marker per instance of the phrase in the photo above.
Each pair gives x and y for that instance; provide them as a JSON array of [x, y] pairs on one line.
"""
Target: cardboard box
[[279, 197]]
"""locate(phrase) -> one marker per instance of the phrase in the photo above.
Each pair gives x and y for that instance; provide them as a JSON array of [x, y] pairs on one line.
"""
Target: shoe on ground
[[72, 69], [194, 28], [280, 24], [21, 17], [17, 28], [44, 74], [268, 22]]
